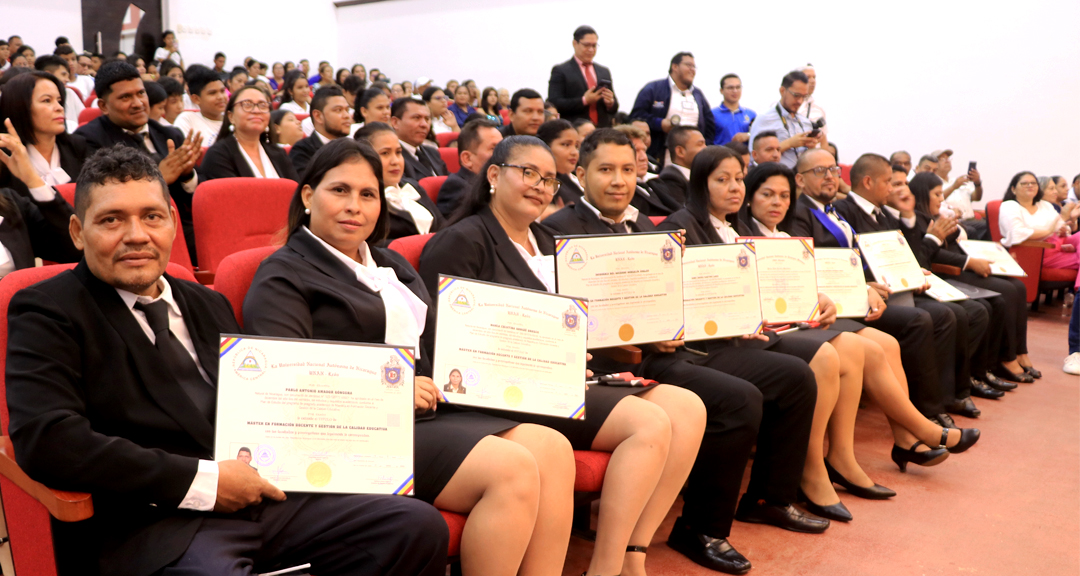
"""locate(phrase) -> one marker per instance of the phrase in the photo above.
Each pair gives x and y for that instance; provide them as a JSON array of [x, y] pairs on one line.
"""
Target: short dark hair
[[328, 157], [226, 125], [119, 163], [166, 34], [725, 77], [1009, 195], [793, 77], [763, 134], [678, 137], [899, 168], [244, 449], [920, 187], [697, 192], [198, 77], [18, 98], [370, 129], [429, 92], [61, 40], [353, 84], [469, 136], [64, 49], [600, 136], [583, 31], [865, 165], [166, 66], [478, 196], [155, 93], [549, 131], [529, 93], [677, 59], [219, 55], [322, 95], [287, 83], [401, 106], [579, 122], [755, 178], [739, 147], [172, 86], [49, 62], [111, 73]]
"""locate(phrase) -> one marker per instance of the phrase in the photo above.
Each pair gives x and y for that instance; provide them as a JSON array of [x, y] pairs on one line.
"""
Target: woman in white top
[[1025, 216], [243, 148], [170, 50], [442, 119], [295, 93], [285, 128]]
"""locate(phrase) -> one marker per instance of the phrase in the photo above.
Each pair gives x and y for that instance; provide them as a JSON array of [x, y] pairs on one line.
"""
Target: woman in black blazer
[[564, 142], [496, 239], [411, 210], [33, 109], [243, 148], [515, 481]]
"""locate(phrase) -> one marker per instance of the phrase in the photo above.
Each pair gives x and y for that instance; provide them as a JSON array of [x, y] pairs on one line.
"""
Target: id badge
[[687, 105]]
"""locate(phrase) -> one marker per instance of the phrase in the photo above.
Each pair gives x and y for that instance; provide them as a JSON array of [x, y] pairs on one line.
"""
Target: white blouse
[[726, 232], [294, 107], [268, 166], [1018, 225], [49, 170], [406, 199], [543, 266]]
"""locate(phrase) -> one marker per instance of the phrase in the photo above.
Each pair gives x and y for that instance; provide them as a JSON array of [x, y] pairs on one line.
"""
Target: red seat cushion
[[235, 273], [88, 114], [432, 185], [234, 214], [450, 157], [591, 467], [446, 138], [410, 247], [456, 524], [1057, 275]]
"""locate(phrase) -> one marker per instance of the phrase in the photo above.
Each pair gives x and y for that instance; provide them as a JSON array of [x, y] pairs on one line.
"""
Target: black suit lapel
[[14, 238], [205, 334], [589, 221], [149, 363], [68, 161], [508, 254], [304, 244], [242, 167]]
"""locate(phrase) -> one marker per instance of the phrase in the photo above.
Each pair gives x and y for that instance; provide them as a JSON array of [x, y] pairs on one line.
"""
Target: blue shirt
[[729, 123], [460, 114]]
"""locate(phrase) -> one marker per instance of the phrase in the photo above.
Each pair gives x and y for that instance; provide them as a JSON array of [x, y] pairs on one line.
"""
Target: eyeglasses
[[248, 106], [439, 98], [796, 95], [821, 170], [533, 178], [1027, 184], [589, 45]]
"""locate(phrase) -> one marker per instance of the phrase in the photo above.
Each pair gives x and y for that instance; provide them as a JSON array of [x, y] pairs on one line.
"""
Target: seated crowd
[[111, 367]]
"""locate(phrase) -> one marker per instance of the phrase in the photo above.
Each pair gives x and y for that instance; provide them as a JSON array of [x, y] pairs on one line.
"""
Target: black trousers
[[926, 340], [972, 318], [337, 534], [1014, 324]]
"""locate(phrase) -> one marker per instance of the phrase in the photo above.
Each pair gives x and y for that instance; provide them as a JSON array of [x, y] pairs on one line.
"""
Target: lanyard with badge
[[794, 118]]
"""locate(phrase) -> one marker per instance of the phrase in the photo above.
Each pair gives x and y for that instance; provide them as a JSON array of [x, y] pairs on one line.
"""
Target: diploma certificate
[[510, 348], [840, 277], [315, 416], [787, 279], [633, 283], [1001, 262], [720, 291], [942, 291], [891, 260]]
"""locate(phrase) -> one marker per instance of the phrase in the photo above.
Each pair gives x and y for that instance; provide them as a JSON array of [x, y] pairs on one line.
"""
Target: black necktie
[[879, 215], [617, 227], [177, 358], [422, 156]]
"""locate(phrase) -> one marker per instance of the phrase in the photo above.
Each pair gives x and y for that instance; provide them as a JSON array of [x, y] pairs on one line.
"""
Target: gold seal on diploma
[[710, 328], [513, 396], [781, 305], [839, 308], [318, 474], [626, 332], [904, 282]]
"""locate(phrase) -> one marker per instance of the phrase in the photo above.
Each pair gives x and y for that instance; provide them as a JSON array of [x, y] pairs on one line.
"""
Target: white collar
[[324, 139], [145, 129], [813, 201], [408, 147], [628, 215], [866, 205], [893, 211], [723, 229], [365, 253], [674, 88], [768, 233], [682, 170], [130, 298]]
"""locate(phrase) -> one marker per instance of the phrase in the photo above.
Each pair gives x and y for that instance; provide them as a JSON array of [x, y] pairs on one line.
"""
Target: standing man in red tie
[[580, 88]]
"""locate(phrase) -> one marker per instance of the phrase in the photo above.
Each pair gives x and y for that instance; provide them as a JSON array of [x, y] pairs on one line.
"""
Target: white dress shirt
[[268, 166], [960, 199], [869, 207], [73, 106], [848, 232], [541, 265], [909, 221], [629, 215], [293, 107], [188, 122], [683, 105], [726, 232], [767, 232], [406, 199], [202, 494]]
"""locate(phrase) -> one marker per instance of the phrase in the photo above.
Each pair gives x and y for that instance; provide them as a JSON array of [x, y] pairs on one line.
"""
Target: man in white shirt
[[960, 193], [208, 94], [792, 128], [83, 84]]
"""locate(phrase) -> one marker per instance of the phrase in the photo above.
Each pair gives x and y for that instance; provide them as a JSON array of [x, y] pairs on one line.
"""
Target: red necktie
[[590, 81]]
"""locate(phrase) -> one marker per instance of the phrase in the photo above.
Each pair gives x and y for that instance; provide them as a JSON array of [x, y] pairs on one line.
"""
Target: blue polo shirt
[[729, 123]]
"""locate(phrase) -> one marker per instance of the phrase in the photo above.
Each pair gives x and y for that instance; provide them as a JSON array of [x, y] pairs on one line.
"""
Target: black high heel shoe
[[1031, 371], [968, 438], [837, 511], [931, 457], [1006, 374], [875, 492]]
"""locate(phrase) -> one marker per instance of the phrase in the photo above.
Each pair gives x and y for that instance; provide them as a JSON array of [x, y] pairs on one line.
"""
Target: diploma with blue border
[[316, 416], [787, 279], [510, 348], [633, 283], [720, 291], [840, 277], [891, 260]]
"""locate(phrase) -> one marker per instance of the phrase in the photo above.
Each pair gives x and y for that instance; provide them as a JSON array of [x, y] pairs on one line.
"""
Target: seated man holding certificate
[[941, 241], [331, 282], [652, 432], [111, 376]]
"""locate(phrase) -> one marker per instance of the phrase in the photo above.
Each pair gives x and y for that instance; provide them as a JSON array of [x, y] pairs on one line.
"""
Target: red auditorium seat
[[1029, 255], [845, 173], [505, 116], [431, 185], [202, 152], [450, 157], [446, 138], [410, 247], [28, 505], [88, 114], [234, 214], [656, 220], [302, 117], [89, 102]]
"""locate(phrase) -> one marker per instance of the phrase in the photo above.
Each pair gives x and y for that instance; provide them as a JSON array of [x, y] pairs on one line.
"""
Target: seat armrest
[[205, 277], [63, 505], [624, 354], [945, 269], [1034, 244]]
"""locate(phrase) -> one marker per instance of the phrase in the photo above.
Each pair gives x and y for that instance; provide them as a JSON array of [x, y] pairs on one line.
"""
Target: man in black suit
[[645, 200], [526, 113], [580, 88], [683, 143], [476, 143], [111, 377], [607, 170], [332, 120], [125, 120], [411, 119]]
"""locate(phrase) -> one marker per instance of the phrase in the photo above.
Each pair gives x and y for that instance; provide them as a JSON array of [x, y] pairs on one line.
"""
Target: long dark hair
[[276, 117], [226, 125], [330, 156], [494, 111], [697, 196], [478, 196], [287, 84], [1009, 195], [754, 180], [920, 187], [17, 100]]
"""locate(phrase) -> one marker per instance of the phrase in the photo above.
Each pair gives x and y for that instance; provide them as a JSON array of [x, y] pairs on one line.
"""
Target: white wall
[[996, 83], [39, 22]]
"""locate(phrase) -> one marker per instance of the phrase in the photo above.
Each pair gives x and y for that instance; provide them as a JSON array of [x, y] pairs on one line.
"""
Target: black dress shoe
[[980, 389], [712, 553], [1005, 373], [963, 407], [926, 458], [999, 384], [944, 420], [837, 511], [968, 438], [1031, 371], [787, 516], [876, 492]]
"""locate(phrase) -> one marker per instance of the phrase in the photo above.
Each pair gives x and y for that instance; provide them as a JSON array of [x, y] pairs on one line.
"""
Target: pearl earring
[[307, 211]]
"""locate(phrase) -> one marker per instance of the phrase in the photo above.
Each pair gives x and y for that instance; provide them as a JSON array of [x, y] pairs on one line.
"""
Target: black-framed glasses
[[248, 106], [821, 170], [532, 177]]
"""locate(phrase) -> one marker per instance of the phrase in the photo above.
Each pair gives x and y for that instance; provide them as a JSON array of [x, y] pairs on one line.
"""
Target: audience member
[[277, 76], [219, 66], [960, 193], [475, 144], [243, 149], [646, 201], [295, 94], [766, 147], [683, 144], [461, 108], [902, 159], [372, 105], [927, 163], [170, 49], [674, 101], [504, 98], [526, 113], [73, 105], [584, 127], [33, 104], [412, 121], [285, 128], [208, 94], [79, 80], [792, 128], [442, 119], [1024, 215], [396, 91], [158, 99], [810, 107], [732, 120], [237, 79], [550, 111], [410, 209], [563, 140], [489, 104], [452, 86], [331, 119], [580, 88], [741, 150], [5, 53], [174, 101]]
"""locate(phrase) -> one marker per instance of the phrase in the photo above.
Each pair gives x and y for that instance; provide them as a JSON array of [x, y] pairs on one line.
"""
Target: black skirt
[[442, 443]]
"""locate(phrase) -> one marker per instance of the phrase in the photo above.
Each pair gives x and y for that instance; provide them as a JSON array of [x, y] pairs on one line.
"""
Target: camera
[[816, 127]]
